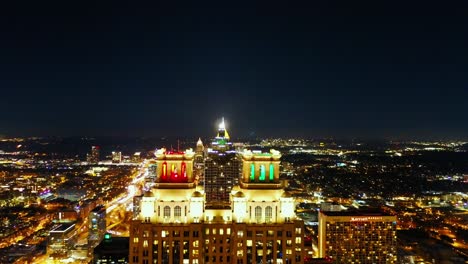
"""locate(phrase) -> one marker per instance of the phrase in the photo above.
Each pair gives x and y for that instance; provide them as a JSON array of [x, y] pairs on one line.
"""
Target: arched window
[[258, 214], [268, 214], [167, 212], [177, 212]]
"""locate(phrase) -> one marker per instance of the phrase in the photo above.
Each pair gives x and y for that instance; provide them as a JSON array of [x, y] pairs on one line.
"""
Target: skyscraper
[[199, 168], [94, 156], [358, 237], [173, 225], [116, 157], [222, 169]]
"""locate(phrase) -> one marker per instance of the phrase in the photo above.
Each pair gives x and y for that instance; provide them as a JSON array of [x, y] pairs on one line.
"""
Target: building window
[[298, 230], [268, 214], [167, 212], [177, 212], [270, 233], [258, 214]]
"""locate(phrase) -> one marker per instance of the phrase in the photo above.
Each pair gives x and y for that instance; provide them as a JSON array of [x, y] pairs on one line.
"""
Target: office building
[[199, 167], [136, 158], [175, 225], [94, 156], [116, 157], [111, 250], [358, 237], [97, 225], [62, 238]]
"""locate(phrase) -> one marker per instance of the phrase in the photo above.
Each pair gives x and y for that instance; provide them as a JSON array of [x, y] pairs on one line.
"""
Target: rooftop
[[356, 213]]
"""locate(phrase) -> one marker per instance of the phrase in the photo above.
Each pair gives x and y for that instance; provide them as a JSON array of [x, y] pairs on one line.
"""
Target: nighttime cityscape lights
[[284, 200], [267, 133]]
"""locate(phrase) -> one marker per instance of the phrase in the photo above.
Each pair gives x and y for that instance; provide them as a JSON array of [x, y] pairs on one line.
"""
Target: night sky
[[314, 68]]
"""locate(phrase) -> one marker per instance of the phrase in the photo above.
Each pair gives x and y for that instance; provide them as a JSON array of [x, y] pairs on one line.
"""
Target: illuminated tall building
[[94, 156], [358, 237], [174, 225], [199, 167], [222, 169], [116, 157], [97, 226]]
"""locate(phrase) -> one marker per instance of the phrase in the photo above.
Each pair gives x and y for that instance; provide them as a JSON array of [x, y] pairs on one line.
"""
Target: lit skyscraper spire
[[222, 132], [222, 126]]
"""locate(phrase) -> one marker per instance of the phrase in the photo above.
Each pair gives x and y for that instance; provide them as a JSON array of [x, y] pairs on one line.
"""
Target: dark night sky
[[343, 69]]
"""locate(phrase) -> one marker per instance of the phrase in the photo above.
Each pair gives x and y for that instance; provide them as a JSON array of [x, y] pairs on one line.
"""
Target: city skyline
[[371, 70]]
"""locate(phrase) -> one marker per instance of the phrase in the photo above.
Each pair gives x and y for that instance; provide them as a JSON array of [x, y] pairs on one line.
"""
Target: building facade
[[175, 225], [199, 163], [111, 250], [358, 237], [116, 157], [62, 238], [97, 225], [95, 155]]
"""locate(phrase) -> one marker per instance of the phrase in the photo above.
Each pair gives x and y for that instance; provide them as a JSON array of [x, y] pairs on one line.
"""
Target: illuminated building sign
[[366, 218]]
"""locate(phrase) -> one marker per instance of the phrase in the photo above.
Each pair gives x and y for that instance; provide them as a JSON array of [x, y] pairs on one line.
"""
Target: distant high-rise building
[[358, 237], [199, 168], [150, 177], [259, 225], [94, 156], [97, 225], [222, 169], [116, 157], [136, 157]]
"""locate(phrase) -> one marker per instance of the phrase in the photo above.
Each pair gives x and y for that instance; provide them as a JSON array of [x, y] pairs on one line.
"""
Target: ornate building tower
[[265, 212], [258, 225]]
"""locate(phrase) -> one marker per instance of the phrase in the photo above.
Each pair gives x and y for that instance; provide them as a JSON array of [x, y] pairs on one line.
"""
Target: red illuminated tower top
[[174, 167]]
